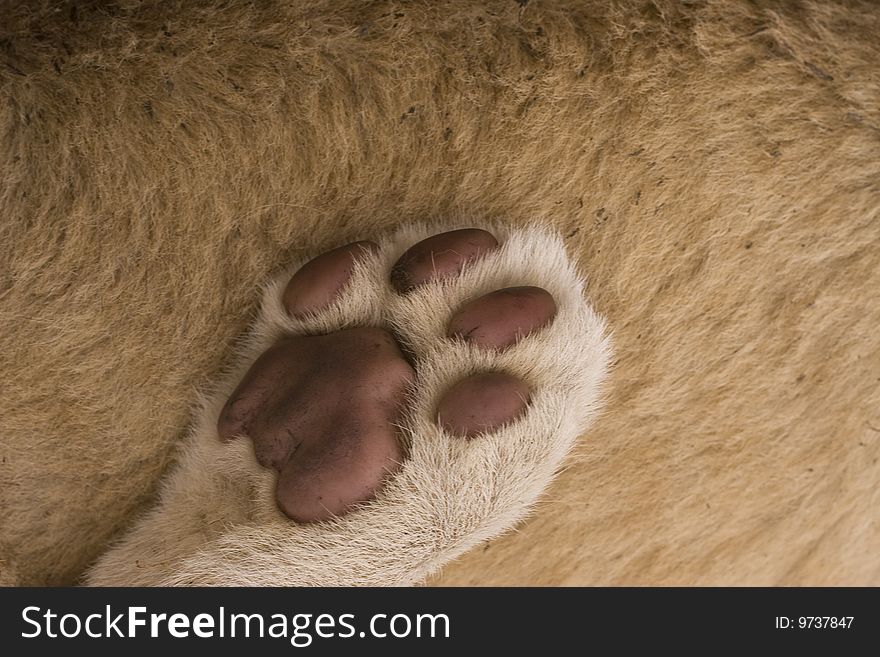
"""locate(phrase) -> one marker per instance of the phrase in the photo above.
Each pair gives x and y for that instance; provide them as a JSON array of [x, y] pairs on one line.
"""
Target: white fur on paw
[[217, 522]]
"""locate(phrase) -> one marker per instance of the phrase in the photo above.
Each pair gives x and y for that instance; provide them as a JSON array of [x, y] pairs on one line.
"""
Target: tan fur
[[714, 165]]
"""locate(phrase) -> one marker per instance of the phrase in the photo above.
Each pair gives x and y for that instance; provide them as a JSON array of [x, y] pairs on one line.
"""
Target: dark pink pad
[[322, 410], [317, 283], [440, 256], [482, 403], [501, 318]]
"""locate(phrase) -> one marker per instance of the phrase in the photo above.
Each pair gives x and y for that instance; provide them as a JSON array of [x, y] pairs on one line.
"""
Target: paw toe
[[317, 283], [501, 318], [440, 256], [482, 403]]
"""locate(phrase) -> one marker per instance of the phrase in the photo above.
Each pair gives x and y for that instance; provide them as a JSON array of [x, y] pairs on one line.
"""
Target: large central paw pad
[[325, 411], [322, 410]]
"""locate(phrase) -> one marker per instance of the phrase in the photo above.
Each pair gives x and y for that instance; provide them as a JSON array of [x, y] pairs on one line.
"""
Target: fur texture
[[714, 165]]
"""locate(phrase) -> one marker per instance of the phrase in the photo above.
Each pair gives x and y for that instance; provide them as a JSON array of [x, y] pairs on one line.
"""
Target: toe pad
[[482, 403]]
